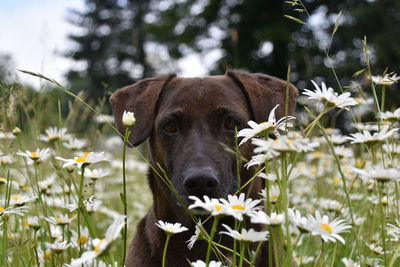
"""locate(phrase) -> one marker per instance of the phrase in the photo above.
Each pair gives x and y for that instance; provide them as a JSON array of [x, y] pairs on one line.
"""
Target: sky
[[34, 33]]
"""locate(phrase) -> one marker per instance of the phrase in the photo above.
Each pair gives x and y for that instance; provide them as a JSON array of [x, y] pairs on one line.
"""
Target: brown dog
[[190, 122]]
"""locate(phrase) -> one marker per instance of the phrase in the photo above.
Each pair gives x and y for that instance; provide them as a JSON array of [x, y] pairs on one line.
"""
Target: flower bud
[[128, 119]]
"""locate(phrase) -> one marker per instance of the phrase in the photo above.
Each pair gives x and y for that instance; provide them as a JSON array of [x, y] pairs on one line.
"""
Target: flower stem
[[213, 230], [382, 217], [165, 249], [123, 196], [242, 250]]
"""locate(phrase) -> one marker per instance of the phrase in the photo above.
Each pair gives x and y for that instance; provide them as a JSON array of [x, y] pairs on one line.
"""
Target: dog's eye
[[170, 127], [232, 123]]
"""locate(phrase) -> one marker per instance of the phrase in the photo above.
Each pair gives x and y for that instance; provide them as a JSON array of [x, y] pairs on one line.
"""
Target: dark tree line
[[254, 35]]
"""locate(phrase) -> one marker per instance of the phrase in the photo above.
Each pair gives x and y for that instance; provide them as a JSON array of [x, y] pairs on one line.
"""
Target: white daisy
[[95, 173], [85, 160], [58, 246], [385, 80], [21, 200], [60, 220], [379, 174], [53, 134], [39, 155], [213, 205], [75, 144], [390, 116], [264, 128], [246, 235], [196, 236], [171, 228], [263, 218], [328, 230], [329, 96], [239, 206], [200, 263], [370, 139], [350, 263], [299, 221], [20, 211]]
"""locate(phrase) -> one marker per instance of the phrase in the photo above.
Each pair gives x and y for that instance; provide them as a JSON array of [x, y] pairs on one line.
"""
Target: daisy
[[82, 239], [95, 173], [20, 211], [370, 139], [264, 128], [238, 206], [21, 200], [85, 160], [379, 174], [6, 136], [329, 97], [200, 263], [32, 222], [263, 218], [171, 228], [101, 245], [58, 246], [390, 116], [53, 134], [6, 159], [350, 263], [386, 80], [302, 223], [195, 237], [213, 205], [328, 230], [246, 235], [38, 156], [61, 220], [376, 249], [75, 144]]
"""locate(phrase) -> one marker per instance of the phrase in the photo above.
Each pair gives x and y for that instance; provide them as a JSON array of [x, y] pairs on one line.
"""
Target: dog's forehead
[[202, 94]]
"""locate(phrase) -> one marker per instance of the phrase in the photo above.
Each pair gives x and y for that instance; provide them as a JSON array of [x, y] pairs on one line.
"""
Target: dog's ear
[[264, 92], [141, 99]]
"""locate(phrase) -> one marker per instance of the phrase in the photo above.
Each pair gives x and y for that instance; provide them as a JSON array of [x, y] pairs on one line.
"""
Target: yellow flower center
[[26, 224], [3, 180], [94, 175], [1, 209], [81, 159], [97, 247], [47, 255], [276, 141], [83, 239], [274, 198], [289, 142], [336, 181], [217, 207], [34, 155], [237, 207], [59, 220], [327, 228], [16, 198], [318, 154]]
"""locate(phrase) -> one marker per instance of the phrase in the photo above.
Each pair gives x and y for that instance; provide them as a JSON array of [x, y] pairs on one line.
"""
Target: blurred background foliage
[[122, 41]]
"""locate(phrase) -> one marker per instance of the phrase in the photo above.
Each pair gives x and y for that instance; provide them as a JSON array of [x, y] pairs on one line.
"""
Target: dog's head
[[191, 124]]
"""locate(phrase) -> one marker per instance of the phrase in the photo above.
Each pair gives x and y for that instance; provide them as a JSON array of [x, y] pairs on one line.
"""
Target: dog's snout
[[201, 183]]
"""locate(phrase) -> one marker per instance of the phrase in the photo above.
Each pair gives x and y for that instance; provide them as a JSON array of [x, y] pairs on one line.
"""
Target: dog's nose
[[201, 183]]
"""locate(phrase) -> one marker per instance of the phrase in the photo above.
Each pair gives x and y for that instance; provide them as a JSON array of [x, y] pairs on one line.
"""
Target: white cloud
[[36, 36]]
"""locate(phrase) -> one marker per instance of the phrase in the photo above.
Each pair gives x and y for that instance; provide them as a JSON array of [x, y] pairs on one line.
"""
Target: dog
[[190, 123]]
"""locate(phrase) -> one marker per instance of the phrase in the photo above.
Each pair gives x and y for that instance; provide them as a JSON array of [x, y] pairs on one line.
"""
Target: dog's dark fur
[[190, 122]]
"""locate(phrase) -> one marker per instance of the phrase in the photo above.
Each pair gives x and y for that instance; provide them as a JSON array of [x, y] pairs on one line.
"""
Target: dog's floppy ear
[[264, 92], [141, 99]]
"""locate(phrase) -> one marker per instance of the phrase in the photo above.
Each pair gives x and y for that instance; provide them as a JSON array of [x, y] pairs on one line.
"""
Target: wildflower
[[196, 236], [200, 263], [376, 249], [6, 159], [262, 217], [82, 239], [386, 80], [20, 211], [350, 263], [370, 139], [394, 231], [128, 119], [75, 144], [85, 160], [274, 194], [53, 134], [328, 230], [39, 155], [61, 220], [171, 228], [101, 245], [238, 206], [213, 205], [264, 128], [58, 246], [329, 97], [95, 173], [6, 136], [32, 222], [246, 235], [20, 200], [44, 256], [379, 174], [390, 116]]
